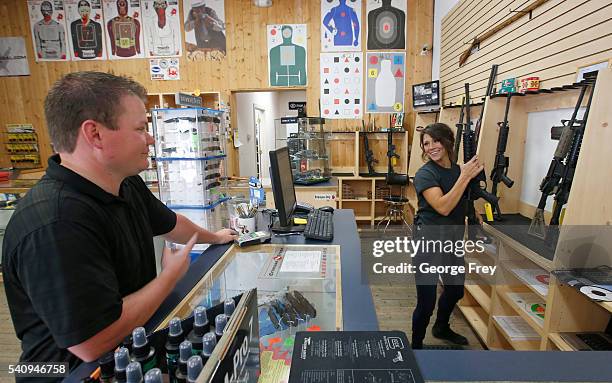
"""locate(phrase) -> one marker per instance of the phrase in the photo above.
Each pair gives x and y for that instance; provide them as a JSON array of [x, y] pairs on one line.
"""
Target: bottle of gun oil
[[200, 327], [153, 376], [185, 352], [220, 323], [228, 307], [209, 341], [122, 359], [142, 351], [107, 367], [194, 367], [133, 373], [175, 337]]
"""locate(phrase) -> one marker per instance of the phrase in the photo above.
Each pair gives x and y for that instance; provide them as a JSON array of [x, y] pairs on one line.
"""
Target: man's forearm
[[184, 229]]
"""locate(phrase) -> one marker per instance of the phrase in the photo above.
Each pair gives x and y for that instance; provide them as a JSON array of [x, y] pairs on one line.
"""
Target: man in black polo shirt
[[78, 256]]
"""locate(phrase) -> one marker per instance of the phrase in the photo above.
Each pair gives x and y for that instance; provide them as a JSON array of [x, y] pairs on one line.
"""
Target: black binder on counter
[[352, 357]]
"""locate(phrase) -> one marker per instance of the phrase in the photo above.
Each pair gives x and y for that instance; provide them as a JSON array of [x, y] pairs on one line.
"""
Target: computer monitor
[[426, 95], [283, 190]]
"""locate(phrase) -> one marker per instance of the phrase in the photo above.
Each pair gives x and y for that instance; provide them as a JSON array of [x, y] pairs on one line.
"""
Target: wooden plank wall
[[244, 68], [562, 36]]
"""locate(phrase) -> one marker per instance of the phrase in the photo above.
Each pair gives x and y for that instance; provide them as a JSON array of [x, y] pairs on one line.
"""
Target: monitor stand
[[277, 228]]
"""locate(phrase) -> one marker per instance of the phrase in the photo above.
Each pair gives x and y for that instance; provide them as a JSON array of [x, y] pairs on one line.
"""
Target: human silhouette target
[[386, 24]]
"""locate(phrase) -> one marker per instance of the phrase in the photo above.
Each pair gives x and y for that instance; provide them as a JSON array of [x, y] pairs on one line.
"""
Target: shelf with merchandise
[[190, 155], [308, 148]]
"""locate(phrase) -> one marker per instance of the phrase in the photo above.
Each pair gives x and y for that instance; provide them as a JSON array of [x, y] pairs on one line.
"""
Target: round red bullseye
[[386, 27], [273, 32], [336, 80], [374, 60], [356, 111]]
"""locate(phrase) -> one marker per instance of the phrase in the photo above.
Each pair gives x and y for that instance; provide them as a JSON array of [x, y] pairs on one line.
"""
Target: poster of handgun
[[48, 23], [385, 82], [386, 24], [287, 54], [124, 37], [341, 25], [342, 85], [84, 21], [162, 28], [204, 29], [13, 58]]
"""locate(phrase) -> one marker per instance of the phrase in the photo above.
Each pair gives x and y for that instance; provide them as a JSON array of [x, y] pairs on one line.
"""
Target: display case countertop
[[358, 314]]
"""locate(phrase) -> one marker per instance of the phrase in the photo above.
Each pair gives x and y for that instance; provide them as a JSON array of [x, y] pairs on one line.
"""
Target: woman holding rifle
[[442, 206]]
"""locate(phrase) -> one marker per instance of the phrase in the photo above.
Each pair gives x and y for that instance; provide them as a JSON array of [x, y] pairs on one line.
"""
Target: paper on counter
[[301, 262]]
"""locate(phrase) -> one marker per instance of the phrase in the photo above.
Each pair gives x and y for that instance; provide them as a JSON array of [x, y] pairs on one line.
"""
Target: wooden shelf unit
[[567, 310], [361, 199]]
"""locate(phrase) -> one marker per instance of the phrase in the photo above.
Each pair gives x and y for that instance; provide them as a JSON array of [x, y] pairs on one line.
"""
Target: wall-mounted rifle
[[558, 179]]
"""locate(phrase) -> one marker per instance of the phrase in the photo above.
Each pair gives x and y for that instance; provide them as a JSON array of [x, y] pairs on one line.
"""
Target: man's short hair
[[83, 3], [82, 96]]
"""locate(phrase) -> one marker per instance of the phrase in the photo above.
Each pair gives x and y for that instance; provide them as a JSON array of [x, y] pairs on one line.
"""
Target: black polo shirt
[[71, 252]]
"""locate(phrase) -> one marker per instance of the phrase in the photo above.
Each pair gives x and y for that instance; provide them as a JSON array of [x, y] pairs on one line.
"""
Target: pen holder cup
[[232, 210], [245, 225]]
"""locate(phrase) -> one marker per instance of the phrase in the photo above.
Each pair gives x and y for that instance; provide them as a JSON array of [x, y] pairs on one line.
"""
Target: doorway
[[255, 116]]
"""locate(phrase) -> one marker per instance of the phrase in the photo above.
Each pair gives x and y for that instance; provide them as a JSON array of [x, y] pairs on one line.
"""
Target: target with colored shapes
[[342, 85], [385, 83], [386, 24]]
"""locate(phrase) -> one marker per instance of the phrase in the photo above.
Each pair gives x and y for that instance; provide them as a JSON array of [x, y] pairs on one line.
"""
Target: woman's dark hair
[[440, 132]]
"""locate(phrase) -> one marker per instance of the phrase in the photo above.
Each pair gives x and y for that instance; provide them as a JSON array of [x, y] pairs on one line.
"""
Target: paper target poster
[[204, 29], [123, 23], [287, 55], [86, 32], [162, 28], [385, 82], [386, 24], [13, 58], [342, 85], [48, 26], [341, 25]]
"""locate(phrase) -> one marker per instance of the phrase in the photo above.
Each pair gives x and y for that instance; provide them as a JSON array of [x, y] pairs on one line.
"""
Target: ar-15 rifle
[[391, 154], [369, 155], [499, 173], [459, 126], [474, 190], [558, 179], [490, 83]]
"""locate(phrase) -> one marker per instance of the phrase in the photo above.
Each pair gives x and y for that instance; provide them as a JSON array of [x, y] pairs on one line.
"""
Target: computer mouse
[[327, 208]]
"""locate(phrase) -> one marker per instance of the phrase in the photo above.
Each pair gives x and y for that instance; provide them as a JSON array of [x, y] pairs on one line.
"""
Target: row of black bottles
[[185, 355]]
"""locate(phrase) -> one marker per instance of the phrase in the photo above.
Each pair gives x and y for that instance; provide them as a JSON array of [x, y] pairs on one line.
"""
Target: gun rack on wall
[[348, 153], [490, 306]]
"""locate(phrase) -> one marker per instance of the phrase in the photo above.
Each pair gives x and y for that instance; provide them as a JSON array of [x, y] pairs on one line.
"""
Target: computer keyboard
[[320, 226], [596, 342]]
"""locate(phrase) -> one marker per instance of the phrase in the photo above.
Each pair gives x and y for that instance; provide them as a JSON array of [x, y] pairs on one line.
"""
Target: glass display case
[[308, 148], [190, 157], [298, 289]]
